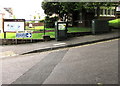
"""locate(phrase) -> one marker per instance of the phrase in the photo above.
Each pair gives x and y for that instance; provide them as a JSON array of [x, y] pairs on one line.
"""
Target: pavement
[[20, 49]]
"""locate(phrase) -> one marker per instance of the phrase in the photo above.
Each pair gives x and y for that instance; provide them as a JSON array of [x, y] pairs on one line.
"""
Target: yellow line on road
[[96, 43], [82, 45]]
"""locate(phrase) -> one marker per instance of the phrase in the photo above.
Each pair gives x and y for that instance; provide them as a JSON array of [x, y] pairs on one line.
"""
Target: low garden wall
[[35, 24], [18, 41]]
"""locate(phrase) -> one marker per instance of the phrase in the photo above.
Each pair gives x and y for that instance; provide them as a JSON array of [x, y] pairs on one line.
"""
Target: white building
[[5, 13], [1, 23], [118, 8]]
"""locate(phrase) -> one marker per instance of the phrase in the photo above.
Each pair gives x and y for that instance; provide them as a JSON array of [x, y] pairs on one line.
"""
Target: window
[[105, 11], [118, 8], [113, 12], [101, 11], [80, 18], [95, 11], [109, 12]]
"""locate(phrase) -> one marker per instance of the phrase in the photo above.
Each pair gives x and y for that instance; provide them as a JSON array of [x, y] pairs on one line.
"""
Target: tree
[[62, 8], [51, 8]]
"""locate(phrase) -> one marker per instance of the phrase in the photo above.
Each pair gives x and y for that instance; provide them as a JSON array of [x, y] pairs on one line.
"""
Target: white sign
[[14, 25], [61, 26]]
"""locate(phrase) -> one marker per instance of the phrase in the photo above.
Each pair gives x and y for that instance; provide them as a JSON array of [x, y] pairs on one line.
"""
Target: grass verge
[[39, 35]]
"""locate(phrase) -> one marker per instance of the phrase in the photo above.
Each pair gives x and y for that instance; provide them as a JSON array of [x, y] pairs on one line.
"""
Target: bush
[[42, 21], [32, 21], [115, 23], [50, 22]]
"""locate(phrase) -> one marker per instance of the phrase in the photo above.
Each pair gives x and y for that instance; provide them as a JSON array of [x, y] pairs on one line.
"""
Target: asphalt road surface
[[88, 64]]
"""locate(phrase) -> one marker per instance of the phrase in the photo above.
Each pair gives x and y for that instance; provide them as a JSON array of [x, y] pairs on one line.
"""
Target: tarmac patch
[[42, 70]]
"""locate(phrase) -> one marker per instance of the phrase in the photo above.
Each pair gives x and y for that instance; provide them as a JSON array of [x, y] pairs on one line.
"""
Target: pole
[[44, 28], [4, 35]]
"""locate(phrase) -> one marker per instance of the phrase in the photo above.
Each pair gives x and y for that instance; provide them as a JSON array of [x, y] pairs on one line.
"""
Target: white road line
[[59, 44]]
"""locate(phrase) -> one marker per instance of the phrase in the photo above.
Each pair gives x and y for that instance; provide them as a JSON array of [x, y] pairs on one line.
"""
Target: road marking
[[6, 54], [100, 84], [59, 44]]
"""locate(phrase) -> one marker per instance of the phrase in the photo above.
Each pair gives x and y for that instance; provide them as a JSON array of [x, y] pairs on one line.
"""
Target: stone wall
[[18, 41]]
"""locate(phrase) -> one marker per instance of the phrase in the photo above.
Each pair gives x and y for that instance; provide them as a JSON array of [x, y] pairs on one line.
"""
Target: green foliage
[[34, 17], [42, 20], [62, 8], [50, 22], [31, 22], [51, 7], [14, 17], [115, 23]]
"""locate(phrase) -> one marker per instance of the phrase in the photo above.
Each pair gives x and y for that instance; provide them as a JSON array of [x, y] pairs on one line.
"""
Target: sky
[[23, 8]]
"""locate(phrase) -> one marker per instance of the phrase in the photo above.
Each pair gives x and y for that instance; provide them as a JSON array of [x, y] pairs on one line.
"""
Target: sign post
[[4, 35], [13, 25]]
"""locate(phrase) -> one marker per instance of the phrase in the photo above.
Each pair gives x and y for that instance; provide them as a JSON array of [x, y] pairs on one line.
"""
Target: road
[[87, 64]]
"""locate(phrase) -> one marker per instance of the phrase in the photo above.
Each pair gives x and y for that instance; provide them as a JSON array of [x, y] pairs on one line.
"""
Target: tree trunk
[[98, 12], [75, 18]]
